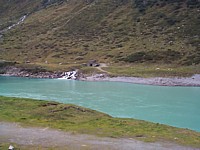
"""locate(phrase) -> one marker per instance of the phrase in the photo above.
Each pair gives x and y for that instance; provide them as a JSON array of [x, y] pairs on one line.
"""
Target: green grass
[[152, 70], [81, 120]]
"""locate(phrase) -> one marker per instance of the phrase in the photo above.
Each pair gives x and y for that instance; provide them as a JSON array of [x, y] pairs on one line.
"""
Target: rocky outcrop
[[21, 72], [38, 73]]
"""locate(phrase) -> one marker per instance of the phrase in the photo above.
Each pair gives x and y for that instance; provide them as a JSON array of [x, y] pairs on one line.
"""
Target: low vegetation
[[152, 70], [81, 120], [6, 63], [134, 31]]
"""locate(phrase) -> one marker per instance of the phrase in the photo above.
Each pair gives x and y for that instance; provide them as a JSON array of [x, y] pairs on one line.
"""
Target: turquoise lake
[[175, 106]]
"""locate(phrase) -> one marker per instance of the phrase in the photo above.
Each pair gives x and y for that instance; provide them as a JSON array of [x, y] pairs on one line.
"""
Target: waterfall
[[21, 20]]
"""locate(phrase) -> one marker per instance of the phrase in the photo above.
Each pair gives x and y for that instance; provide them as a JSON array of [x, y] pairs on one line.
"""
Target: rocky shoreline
[[19, 72], [160, 81]]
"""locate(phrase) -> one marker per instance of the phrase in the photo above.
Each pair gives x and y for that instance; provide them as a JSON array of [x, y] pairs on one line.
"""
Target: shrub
[[167, 56], [193, 3], [171, 21], [6, 63]]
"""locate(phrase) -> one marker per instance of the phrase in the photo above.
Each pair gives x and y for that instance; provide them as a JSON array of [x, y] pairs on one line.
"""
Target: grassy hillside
[[85, 121], [110, 31], [11, 11]]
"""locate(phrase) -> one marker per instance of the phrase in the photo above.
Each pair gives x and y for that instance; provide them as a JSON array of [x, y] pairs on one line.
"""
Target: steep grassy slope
[[12, 10], [131, 31]]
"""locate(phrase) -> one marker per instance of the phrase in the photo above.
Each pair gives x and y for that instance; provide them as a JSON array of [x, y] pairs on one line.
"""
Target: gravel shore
[[176, 81]]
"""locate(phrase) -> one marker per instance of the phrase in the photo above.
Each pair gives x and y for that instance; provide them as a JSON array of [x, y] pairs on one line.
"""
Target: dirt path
[[102, 70], [44, 137]]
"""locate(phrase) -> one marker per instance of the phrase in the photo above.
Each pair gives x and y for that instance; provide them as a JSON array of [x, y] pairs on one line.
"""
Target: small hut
[[93, 63]]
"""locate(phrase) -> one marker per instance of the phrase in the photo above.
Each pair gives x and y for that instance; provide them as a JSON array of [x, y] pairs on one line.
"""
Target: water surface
[[175, 106]]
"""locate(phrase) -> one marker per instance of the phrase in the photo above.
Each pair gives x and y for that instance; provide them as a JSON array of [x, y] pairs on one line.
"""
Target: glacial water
[[175, 106]]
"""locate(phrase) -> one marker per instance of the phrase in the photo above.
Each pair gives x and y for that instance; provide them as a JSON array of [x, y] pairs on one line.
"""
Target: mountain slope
[[132, 31]]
